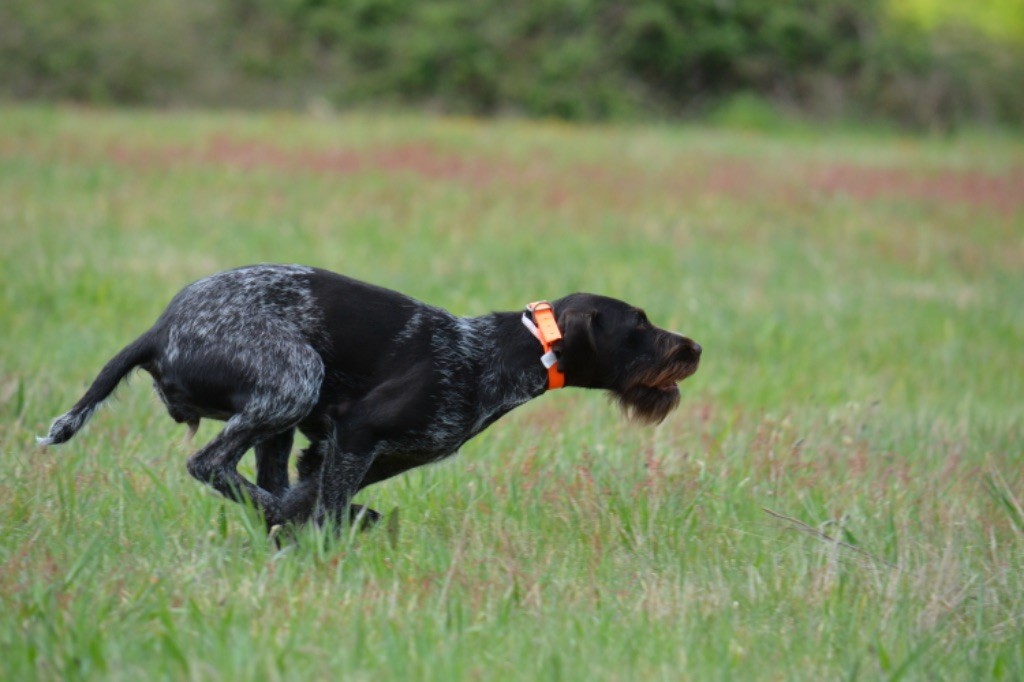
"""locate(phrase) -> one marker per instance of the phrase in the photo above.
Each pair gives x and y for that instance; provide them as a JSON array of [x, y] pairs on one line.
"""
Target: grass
[[839, 495]]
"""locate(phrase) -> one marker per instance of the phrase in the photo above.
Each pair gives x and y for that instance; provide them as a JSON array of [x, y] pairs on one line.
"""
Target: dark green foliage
[[581, 59]]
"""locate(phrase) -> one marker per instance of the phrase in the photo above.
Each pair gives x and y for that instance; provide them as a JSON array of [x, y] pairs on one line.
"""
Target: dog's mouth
[[669, 387], [651, 398], [668, 382], [666, 388]]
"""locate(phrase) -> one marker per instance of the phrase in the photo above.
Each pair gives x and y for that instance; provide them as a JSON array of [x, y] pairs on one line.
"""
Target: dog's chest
[[452, 426]]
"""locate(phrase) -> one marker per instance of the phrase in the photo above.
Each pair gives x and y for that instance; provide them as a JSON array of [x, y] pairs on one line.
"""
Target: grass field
[[839, 496]]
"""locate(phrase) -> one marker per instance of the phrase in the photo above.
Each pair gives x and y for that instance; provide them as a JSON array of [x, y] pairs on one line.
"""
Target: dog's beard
[[650, 396]]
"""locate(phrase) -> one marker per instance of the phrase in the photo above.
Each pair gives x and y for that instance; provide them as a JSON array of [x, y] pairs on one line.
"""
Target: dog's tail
[[68, 424]]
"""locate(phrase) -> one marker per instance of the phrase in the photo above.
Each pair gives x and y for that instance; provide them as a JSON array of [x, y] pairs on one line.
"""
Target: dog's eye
[[642, 322]]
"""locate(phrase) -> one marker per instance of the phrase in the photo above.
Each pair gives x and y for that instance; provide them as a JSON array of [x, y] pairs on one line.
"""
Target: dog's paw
[[362, 517]]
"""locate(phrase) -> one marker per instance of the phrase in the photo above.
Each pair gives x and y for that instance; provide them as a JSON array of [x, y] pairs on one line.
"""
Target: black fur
[[378, 382]]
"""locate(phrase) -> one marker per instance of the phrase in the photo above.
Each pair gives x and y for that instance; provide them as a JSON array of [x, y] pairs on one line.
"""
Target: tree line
[[569, 59]]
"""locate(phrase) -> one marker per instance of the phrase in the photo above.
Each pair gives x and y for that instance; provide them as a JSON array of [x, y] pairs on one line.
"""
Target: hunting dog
[[378, 382]]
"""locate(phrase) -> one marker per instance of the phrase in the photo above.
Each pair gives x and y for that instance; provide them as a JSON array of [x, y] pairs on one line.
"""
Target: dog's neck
[[508, 358]]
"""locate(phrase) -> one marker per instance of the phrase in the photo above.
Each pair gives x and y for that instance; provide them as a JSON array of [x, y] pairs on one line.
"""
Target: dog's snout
[[689, 350]]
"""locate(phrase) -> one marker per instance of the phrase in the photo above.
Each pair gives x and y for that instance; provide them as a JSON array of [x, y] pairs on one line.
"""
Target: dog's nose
[[689, 350]]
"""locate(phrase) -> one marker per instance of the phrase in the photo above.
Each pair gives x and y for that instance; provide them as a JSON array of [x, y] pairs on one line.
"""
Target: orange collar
[[542, 324]]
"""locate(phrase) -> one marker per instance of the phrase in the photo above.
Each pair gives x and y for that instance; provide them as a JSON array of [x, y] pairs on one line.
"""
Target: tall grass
[[838, 496]]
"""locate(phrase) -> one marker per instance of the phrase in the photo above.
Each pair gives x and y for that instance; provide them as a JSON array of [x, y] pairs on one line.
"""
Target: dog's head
[[610, 344]]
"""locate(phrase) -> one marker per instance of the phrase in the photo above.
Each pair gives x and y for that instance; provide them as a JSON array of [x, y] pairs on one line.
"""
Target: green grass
[[858, 299]]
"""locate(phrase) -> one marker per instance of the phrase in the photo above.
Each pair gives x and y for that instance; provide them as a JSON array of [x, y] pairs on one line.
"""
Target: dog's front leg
[[346, 461], [272, 462], [307, 500], [397, 410]]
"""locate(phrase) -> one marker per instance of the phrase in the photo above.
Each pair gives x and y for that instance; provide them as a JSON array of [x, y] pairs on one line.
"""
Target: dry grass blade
[[811, 530]]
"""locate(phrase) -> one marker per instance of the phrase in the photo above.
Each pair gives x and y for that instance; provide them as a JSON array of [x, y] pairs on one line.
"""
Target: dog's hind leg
[[217, 462], [278, 400]]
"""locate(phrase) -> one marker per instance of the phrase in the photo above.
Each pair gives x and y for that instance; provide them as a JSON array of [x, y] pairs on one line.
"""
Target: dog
[[377, 381]]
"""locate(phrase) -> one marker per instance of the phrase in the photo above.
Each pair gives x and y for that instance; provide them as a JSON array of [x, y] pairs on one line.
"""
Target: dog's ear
[[577, 359]]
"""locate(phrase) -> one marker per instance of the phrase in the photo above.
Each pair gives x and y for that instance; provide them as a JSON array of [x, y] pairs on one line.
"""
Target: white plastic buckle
[[528, 323]]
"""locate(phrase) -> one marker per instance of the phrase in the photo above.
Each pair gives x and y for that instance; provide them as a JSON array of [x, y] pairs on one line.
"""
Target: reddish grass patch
[[621, 185], [1004, 193], [739, 178], [419, 159]]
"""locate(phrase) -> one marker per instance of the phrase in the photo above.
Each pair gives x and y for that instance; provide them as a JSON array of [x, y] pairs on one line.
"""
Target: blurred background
[[919, 64]]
